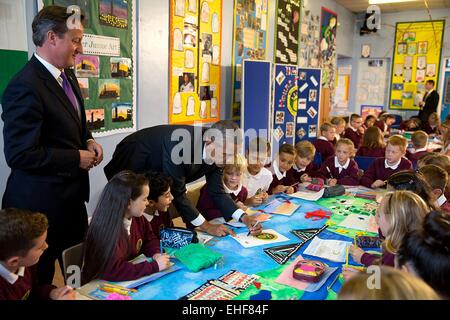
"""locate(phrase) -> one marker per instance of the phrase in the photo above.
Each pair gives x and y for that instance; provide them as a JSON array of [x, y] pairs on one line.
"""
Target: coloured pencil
[[346, 258], [329, 171], [334, 281], [256, 223]]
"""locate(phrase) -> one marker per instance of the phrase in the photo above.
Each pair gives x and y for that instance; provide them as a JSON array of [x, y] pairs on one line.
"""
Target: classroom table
[[253, 260]]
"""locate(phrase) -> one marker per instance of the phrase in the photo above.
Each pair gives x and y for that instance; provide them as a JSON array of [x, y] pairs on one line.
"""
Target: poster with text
[[287, 28]]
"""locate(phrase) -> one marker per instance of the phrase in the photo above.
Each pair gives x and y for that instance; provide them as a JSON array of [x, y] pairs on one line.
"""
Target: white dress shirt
[[9, 276], [340, 166]]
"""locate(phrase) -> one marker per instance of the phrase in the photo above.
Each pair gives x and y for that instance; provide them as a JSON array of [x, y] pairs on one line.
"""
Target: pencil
[[346, 258], [354, 239], [256, 223], [334, 281], [329, 171]]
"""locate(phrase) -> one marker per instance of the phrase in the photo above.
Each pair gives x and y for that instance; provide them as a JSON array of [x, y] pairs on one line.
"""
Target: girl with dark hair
[[426, 253], [372, 144], [119, 233]]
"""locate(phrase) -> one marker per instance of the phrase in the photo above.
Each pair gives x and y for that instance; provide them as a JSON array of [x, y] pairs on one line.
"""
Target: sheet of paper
[[287, 279], [204, 237], [333, 250], [136, 283], [360, 222], [268, 236], [281, 206], [304, 87]]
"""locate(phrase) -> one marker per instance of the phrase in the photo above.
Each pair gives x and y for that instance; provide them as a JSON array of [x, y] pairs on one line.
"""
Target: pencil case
[[309, 270], [177, 237]]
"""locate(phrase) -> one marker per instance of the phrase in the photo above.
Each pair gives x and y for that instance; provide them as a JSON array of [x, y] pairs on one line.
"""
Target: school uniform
[[429, 129], [208, 209], [253, 183], [22, 285], [324, 147], [383, 127], [387, 259], [311, 170], [378, 152], [159, 220], [141, 240], [354, 135], [416, 154], [381, 170], [443, 203], [346, 174], [280, 178]]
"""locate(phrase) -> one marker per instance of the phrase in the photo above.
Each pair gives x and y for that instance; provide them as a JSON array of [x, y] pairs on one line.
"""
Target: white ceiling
[[357, 6]]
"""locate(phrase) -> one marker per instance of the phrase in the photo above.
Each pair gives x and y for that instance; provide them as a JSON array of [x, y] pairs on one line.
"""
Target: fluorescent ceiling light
[[389, 1]]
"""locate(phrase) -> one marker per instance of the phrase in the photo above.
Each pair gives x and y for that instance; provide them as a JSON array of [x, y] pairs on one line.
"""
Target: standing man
[[186, 153], [429, 103], [47, 145]]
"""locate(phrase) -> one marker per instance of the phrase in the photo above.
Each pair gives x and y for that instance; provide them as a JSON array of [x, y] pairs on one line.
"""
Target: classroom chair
[[398, 121], [72, 257], [364, 162], [318, 159]]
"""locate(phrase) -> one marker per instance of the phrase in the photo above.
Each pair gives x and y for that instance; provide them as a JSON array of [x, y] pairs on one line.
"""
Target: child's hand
[[356, 253], [264, 196], [290, 190], [305, 178], [378, 184], [279, 189], [163, 261], [63, 293], [254, 201], [241, 206], [360, 173], [332, 182], [361, 130], [348, 273]]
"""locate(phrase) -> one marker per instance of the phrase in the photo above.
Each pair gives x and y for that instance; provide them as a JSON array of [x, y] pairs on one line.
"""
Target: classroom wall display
[[287, 29], [328, 55], [418, 52], [309, 40], [372, 82], [249, 42], [370, 110], [285, 104], [105, 70], [194, 68], [309, 96]]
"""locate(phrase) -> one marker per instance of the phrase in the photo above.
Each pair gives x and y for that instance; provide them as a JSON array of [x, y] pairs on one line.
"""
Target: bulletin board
[[249, 42], [287, 29], [372, 82], [417, 57], [328, 55], [309, 40], [195, 59], [106, 69], [309, 99], [285, 103], [256, 108]]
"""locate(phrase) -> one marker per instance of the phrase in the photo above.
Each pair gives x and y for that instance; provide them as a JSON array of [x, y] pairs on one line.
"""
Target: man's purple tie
[[69, 92]]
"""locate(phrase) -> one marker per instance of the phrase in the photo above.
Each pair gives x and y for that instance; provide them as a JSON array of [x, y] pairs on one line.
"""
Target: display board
[[417, 56], [249, 42], [287, 29], [372, 82], [328, 55], [309, 96], [309, 40], [285, 104], [106, 69], [195, 61]]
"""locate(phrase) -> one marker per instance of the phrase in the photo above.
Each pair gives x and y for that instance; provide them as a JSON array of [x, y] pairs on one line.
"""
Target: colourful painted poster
[[249, 42], [328, 55], [420, 54], [309, 40], [287, 30], [194, 69]]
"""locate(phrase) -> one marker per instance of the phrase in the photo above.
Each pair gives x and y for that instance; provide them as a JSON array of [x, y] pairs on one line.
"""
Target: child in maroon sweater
[[385, 123], [355, 131], [419, 140], [399, 213], [160, 199], [341, 169], [339, 124], [437, 178], [22, 242], [232, 184], [432, 126], [324, 143], [382, 168], [372, 144], [119, 233], [304, 169], [283, 180]]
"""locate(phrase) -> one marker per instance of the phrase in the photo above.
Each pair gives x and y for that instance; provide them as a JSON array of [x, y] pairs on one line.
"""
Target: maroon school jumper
[[380, 124], [142, 240], [428, 129], [446, 207], [311, 170], [414, 157], [325, 148], [348, 177], [25, 287], [160, 221], [354, 136], [378, 171], [387, 259], [377, 152], [289, 180], [206, 207]]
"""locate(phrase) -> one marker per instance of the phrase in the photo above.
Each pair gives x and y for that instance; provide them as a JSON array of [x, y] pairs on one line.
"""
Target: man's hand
[[250, 221], [87, 159], [97, 149], [218, 230]]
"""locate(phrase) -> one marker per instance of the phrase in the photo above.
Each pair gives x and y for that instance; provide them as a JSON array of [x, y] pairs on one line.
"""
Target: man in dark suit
[[47, 144], [186, 153], [430, 102]]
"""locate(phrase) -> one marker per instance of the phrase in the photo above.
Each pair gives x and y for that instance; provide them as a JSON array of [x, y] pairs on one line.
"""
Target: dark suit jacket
[[42, 134], [151, 149], [431, 104]]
